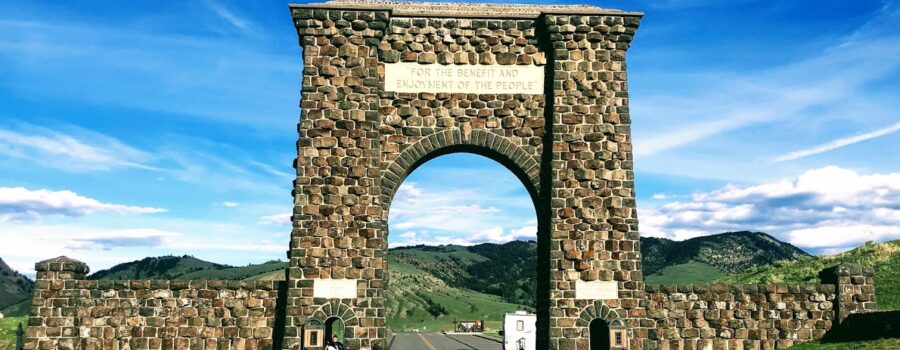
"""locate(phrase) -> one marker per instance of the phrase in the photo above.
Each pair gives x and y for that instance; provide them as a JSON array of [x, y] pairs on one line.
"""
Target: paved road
[[438, 341]]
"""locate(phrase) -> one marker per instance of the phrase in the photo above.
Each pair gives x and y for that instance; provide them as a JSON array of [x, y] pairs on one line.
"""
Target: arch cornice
[[594, 311], [336, 308], [524, 165]]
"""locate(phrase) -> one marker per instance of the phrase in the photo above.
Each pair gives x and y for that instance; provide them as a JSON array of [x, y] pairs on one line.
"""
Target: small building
[[520, 331]]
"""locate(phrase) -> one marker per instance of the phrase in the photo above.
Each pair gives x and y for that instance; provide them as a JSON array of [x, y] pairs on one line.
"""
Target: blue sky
[[132, 129]]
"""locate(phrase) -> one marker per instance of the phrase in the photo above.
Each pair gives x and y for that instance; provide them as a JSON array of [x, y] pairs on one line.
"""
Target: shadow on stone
[[866, 326]]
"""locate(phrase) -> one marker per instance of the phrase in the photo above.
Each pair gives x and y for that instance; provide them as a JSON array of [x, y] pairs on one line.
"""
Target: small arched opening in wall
[[475, 279], [608, 335], [600, 339], [334, 330]]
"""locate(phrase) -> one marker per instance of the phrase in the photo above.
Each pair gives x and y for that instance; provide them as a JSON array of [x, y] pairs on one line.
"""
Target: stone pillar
[[855, 289], [595, 252], [338, 241], [52, 323]]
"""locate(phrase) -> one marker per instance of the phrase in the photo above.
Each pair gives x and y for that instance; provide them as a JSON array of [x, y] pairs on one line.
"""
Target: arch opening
[[600, 335], [460, 255], [334, 330]]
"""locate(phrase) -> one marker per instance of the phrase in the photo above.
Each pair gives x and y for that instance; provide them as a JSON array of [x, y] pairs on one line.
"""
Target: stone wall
[[750, 316], [69, 312], [755, 316]]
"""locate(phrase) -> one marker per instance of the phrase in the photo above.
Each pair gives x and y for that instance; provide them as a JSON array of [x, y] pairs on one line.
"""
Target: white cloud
[[841, 234], [491, 235], [280, 219], [408, 192], [835, 144], [229, 204], [823, 208], [460, 211], [18, 203], [24, 245], [85, 152]]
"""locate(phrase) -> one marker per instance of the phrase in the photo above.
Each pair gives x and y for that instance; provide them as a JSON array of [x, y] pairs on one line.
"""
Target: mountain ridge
[[488, 272]]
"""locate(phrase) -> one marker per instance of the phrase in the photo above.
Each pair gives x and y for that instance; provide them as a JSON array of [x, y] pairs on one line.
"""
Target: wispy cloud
[[835, 144], [120, 239], [790, 90], [228, 16], [79, 151], [280, 219], [17, 203]]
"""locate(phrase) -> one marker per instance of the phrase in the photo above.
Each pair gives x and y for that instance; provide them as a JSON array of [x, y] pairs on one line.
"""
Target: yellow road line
[[427, 343]]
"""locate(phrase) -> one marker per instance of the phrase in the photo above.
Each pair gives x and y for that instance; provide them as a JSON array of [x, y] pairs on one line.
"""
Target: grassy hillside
[[689, 272], [882, 344], [884, 257], [730, 252], [164, 267], [505, 270], [421, 301], [237, 273], [8, 328], [14, 289]]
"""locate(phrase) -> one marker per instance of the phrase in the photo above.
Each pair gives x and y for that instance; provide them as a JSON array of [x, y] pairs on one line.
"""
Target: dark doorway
[[334, 327], [599, 335]]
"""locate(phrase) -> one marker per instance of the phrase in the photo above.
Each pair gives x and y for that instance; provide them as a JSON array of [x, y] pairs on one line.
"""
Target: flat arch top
[[463, 9]]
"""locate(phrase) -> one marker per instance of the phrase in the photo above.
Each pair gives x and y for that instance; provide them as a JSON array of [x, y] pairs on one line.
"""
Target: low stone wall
[[718, 316], [69, 312]]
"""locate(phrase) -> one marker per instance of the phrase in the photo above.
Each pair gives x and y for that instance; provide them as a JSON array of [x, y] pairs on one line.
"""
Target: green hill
[[15, 289], [505, 270], [164, 267], [884, 257], [185, 267], [705, 259], [418, 300]]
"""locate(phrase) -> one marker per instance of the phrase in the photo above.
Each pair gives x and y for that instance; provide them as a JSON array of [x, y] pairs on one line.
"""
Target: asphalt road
[[439, 341]]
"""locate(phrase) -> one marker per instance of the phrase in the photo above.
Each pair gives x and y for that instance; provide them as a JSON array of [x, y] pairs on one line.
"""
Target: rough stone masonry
[[388, 86]]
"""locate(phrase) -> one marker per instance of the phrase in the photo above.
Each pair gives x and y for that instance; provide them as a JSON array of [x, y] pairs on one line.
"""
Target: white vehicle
[[520, 331]]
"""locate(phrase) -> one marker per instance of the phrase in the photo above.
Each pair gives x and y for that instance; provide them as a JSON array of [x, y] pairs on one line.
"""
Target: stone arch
[[594, 311], [485, 143], [338, 309]]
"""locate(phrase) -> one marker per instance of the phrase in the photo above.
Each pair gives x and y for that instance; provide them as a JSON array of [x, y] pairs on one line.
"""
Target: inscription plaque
[[470, 78], [334, 288], [595, 290]]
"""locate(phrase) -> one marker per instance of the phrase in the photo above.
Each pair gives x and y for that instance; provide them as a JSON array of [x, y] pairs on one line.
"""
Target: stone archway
[[543, 91]]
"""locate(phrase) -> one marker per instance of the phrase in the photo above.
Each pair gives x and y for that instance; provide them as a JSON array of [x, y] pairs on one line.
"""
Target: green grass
[[15, 310], [884, 257], [8, 328], [687, 273], [237, 273], [881, 344], [410, 291]]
